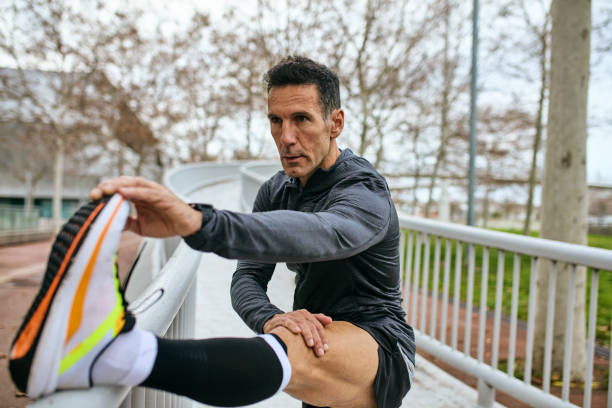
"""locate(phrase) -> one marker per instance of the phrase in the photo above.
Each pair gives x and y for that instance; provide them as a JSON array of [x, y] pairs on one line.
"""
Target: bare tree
[[502, 145], [451, 90], [382, 62], [249, 45], [25, 156], [564, 197], [245, 54], [542, 33], [57, 38], [126, 70]]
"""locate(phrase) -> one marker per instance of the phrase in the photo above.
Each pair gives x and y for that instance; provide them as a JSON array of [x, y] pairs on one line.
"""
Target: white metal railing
[[15, 218], [422, 294], [422, 297], [252, 176]]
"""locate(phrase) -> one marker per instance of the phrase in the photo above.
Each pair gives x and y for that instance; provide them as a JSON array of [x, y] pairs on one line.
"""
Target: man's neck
[[327, 162]]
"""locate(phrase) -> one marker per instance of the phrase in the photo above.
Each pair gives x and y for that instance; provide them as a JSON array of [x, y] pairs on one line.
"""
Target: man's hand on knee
[[310, 326]]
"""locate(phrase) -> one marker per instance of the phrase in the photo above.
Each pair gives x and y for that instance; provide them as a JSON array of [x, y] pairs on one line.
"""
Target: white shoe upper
[[86, 311]]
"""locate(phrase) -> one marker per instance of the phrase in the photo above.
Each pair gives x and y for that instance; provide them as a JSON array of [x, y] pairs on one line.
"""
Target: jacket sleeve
[[356, 218], [248, 293], [250, 284]]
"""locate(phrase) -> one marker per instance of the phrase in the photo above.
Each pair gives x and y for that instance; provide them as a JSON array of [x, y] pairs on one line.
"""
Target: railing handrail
[[249, 170], [176, 178], [596, 258]]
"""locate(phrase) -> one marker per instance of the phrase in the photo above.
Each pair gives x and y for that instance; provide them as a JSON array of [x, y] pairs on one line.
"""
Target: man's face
[[302, 136]]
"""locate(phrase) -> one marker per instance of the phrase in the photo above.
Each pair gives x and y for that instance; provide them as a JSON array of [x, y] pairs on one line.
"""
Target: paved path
[[215, 318]]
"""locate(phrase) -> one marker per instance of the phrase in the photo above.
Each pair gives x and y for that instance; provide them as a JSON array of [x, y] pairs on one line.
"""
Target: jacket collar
[[323, 179]]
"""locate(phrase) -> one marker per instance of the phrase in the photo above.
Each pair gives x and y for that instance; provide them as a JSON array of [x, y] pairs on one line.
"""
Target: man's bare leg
[[343, 377]]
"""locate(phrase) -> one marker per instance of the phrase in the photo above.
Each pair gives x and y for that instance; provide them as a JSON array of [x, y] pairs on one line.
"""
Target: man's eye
[[302, 118], [274, 120]]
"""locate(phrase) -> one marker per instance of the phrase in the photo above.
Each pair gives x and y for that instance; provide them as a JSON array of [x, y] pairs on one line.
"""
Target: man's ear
[[337, 123]]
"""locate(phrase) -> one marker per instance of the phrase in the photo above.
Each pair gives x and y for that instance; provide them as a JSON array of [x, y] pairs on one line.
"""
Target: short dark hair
[[298, 70]]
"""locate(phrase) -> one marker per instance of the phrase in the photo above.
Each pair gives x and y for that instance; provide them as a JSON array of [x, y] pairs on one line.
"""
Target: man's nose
[[287, 134]]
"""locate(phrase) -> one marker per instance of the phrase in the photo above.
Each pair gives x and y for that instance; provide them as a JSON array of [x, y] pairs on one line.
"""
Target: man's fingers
[[108, 187], [135, 194], [307, 333], [320, 340], [293, 327], [312, 336], [311, 327], [132, 225], [95, 193], [323, 319], [323, 347], [285, 322]]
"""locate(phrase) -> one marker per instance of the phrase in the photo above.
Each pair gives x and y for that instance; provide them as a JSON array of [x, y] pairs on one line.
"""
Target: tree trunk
[[443, 112], [485, 204], [58, 181], [248, 133], [140, 163], [564, 195], [27, 204], [121, 159], [417, 174], [380, 151], [538, 130], [363, 135]]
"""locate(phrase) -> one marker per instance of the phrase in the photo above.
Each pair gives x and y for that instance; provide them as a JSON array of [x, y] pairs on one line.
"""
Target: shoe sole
[[37, 348]]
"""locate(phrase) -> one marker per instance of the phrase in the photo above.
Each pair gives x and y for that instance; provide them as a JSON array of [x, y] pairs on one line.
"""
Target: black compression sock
[[224, 372]]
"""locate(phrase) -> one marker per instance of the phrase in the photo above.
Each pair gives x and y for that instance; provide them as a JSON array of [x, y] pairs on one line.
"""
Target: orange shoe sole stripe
[[30, 331], [76, 314]]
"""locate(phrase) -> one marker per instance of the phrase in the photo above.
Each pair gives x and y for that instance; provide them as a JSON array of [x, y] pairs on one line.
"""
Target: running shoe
[[80, 308]]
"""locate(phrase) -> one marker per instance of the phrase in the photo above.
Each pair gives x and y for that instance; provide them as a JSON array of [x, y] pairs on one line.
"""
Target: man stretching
[[328, 215]]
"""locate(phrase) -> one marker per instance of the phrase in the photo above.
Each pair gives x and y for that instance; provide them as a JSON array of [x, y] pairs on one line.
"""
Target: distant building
[[32, 105]]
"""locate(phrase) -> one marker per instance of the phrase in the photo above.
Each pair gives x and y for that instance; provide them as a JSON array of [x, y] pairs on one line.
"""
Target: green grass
[[604, 303]]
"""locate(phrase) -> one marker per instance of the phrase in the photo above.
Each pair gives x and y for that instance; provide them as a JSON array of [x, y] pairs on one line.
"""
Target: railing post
[[127, 402], [150, 398], [138, 397], [486, 394]]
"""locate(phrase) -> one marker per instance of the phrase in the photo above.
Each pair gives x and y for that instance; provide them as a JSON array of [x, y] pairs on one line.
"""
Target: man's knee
[[346, 371], [306, 367]]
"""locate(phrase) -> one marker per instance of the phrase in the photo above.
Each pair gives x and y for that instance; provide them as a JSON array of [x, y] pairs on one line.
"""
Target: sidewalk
[[215, 318]]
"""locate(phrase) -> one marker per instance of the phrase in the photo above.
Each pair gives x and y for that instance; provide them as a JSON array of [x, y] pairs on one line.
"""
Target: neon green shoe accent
[[109, 324], [118, 298]]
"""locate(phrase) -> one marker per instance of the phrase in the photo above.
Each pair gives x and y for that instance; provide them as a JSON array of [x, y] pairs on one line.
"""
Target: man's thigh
[[343, 377]]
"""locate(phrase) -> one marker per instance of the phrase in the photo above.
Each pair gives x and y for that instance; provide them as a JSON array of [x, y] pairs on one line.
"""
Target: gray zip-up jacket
[[340, 233]]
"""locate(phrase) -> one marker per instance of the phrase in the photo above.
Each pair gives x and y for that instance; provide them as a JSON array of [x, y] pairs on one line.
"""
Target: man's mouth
[[292, 158]]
